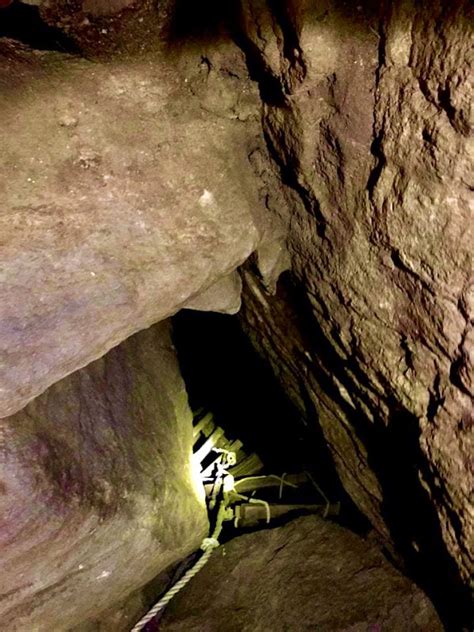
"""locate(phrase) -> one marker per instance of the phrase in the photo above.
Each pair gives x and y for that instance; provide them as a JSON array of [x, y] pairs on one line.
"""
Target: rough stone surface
[[366, 112], [222, 297], [124, 195], [308, 575], [106, 224], [97, 493]]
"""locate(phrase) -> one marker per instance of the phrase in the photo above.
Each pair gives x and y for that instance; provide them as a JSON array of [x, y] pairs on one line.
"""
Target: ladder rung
[[251, 465], [205, 425], [204, 450]]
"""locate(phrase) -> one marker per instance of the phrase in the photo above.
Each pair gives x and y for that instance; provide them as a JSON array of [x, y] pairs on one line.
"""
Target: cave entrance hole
[[228, 381]]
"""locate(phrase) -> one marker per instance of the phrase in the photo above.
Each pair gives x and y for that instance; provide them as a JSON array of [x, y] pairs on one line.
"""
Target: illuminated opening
[[240, 406]]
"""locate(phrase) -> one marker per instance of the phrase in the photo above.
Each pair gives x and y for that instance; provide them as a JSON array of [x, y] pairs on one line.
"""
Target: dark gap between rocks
[[23, 23], [224, 375], [198, 21]]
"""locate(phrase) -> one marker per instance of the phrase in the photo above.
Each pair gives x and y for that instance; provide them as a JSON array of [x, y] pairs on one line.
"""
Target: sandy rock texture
[[366, 113], [97, 490], [125, 193], [307, 575]]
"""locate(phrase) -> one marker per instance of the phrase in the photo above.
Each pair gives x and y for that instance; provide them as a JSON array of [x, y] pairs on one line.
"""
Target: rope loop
[[208, 544]]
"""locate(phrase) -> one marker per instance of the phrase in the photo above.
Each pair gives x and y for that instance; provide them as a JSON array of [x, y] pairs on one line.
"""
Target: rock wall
[[97, 490], [365, 110]]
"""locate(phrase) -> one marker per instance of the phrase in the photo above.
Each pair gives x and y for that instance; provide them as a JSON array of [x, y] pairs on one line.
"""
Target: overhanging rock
[[121, 200]]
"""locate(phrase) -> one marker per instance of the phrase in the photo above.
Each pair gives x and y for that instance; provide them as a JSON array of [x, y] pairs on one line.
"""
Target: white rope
[[208, 546], [223, 483]]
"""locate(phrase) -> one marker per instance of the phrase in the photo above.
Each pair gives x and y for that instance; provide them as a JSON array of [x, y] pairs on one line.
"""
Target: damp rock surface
[[307, 575], [97, 490]]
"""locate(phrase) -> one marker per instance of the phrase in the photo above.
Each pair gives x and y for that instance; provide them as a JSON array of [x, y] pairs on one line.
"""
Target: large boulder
[[98, 493], [307, 575], [365, 109], [126, 191]]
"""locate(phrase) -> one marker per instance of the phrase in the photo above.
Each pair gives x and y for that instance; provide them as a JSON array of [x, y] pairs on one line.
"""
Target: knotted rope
[[208, 546]]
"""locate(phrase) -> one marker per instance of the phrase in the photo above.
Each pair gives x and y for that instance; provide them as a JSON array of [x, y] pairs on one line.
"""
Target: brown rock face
[[365, 109], [121, 201], [308, 575], [97, 493]]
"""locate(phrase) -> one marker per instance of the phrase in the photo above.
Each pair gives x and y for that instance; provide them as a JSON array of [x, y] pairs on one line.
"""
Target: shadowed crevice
[[23, 23]]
